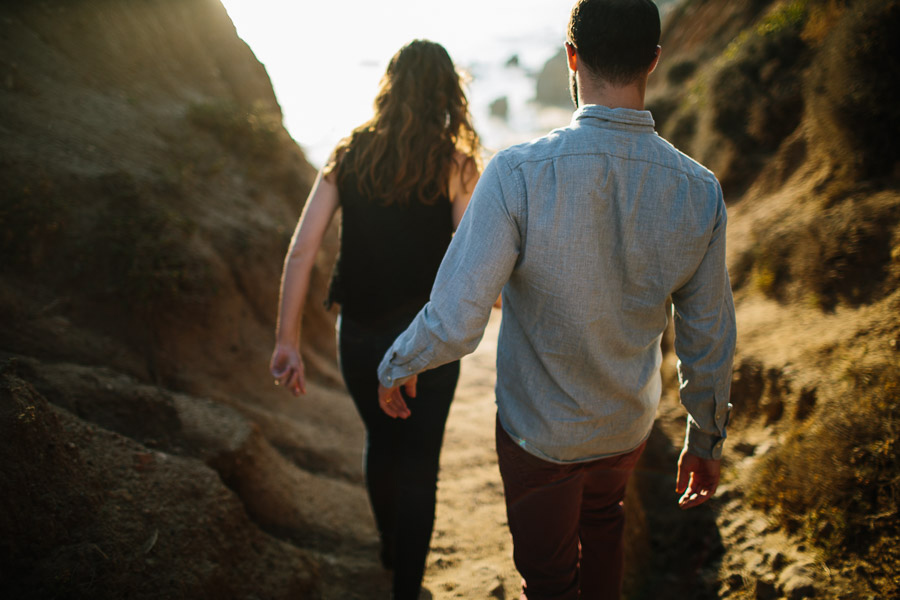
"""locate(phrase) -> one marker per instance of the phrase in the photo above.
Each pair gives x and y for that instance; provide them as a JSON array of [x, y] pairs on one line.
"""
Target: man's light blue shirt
[[588, 231]]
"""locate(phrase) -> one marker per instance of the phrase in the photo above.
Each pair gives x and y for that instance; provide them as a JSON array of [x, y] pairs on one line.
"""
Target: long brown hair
[[406, 150]]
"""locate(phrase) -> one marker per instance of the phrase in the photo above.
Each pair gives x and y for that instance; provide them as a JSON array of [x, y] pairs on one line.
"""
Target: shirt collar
[[623, 116]]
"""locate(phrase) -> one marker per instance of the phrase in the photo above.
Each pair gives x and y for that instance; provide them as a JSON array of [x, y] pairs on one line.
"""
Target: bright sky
[[325, 57]]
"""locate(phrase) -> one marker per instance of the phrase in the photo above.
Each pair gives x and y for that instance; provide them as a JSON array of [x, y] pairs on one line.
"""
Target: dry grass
[[140, 250], [823, 16], [112, 238], [733, 112], [837, 478], [832, 62], [834, 477], [851, 91], [846, 255], [29, 219]]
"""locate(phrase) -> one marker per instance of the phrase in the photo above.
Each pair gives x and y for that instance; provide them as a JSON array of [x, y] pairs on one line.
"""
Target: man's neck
[[610, 96]]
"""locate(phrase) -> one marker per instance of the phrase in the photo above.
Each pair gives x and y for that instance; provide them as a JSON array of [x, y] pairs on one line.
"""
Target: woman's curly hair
[[406, 150]]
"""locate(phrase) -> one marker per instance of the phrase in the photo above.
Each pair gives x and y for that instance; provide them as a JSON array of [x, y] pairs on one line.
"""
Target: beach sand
[[471, 548]]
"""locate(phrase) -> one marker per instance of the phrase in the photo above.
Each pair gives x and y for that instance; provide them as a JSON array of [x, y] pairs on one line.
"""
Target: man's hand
[[391, 400], [697, 480]]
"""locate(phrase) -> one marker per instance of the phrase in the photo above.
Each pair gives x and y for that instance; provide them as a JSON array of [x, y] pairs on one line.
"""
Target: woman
[[403, 180]]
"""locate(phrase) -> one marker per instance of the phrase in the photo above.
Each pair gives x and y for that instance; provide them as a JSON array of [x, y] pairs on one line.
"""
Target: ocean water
[[325, 59]]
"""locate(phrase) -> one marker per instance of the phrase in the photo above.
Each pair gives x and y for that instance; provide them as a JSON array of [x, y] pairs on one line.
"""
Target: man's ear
[[655, 60], [571, 57]]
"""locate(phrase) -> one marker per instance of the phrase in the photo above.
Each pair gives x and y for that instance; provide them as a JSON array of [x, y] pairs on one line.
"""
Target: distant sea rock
[[500, 108], [552, 87]]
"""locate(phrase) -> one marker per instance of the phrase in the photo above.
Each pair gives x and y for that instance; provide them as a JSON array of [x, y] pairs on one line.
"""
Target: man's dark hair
[[615, 39]]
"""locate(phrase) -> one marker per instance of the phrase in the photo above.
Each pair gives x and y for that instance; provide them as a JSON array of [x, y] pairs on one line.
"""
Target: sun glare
[[325, 58]]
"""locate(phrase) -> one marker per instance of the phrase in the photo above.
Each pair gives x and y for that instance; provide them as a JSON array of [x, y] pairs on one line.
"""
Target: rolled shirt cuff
[[703, 444], [394, 375]]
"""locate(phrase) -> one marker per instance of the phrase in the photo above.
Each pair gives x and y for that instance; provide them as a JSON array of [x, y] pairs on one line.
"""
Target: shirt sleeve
[[475, 268], [705, 334]]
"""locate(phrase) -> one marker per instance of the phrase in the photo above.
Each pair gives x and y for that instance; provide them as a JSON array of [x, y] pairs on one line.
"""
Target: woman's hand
[[286, 367]]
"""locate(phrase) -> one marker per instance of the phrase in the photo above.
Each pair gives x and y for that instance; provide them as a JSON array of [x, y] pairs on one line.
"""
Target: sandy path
[[471, 550]]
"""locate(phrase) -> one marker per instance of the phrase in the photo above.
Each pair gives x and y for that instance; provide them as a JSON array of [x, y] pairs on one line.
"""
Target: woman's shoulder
[[462, 161], [347, 147], [464, 172]]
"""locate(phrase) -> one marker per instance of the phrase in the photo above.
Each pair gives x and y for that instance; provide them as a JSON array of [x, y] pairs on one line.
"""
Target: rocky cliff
[[147, 195]]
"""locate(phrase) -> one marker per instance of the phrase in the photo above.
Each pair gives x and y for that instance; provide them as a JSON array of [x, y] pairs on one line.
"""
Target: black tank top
[[389, 255]]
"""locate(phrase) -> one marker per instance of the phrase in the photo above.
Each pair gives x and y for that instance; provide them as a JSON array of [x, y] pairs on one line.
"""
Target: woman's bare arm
[[286, 365], [463, 177]]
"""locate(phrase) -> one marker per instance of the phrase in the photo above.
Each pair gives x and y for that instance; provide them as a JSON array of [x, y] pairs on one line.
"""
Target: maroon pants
[[567, 522]]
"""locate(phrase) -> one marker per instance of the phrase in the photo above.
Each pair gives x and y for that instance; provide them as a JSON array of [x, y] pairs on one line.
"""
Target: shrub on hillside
[[30, 218], [846, 255], [853, 87], [681, 72], [837, 479], [110, 237], [140, 249], [734, 112], [755, 98], [249, 132]]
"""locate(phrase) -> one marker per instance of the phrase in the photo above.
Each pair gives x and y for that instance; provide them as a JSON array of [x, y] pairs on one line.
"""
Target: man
[[588, 231]]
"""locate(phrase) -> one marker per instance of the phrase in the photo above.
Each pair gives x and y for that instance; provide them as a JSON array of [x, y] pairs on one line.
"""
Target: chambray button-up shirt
[[588, 231]]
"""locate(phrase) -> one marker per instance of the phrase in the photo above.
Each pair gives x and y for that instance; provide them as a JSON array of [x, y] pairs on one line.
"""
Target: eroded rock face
[[147, 195], [91, 513]]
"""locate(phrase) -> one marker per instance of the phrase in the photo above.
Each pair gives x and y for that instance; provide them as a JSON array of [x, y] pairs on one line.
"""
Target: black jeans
[[401, 456]]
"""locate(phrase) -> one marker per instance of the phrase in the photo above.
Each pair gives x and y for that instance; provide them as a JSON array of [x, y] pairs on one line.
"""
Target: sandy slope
[[471, 549]]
